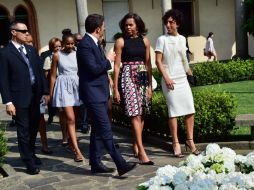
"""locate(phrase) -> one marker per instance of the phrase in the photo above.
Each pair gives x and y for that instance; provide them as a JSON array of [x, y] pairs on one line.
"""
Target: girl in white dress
[[173, 65], [64, 89]]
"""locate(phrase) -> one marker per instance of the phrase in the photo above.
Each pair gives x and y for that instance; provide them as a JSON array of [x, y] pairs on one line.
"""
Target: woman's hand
[[170, 83], [117, 97]]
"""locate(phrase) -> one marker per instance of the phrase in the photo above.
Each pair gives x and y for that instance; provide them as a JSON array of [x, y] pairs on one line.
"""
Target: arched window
[[4, 26], [21, 15]]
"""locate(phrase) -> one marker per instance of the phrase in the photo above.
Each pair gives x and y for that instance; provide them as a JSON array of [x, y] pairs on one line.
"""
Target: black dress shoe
[[128, 167], [33, 171], [117, 146], [101, 168], [85, 130]]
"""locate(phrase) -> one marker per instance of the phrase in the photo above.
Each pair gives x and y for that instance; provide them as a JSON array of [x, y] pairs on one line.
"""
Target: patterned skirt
[[133, 87]]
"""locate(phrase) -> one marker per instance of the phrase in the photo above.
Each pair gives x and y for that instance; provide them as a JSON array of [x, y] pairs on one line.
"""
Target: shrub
[[215, 115], [3, 145], [218, 72]]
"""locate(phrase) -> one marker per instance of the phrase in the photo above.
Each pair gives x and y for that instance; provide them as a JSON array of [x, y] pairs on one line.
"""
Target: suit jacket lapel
[[94, 46], [17, 53]]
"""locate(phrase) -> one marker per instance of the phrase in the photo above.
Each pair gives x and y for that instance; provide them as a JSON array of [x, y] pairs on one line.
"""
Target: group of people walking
[[79, 75]]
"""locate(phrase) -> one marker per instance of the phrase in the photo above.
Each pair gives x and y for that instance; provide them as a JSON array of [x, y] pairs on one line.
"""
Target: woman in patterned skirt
[[134, 79]]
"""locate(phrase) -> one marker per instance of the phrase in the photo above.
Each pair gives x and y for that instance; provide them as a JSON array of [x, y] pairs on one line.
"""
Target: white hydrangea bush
[[214, 169]]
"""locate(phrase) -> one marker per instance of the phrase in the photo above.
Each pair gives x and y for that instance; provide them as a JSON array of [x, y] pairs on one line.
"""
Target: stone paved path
[[59, 171]]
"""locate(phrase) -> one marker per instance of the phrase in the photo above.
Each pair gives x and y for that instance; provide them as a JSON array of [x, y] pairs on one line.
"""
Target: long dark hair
[[209, 35], [139, 22]]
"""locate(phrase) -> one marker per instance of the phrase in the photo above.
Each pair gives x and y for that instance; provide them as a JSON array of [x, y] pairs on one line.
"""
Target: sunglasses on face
[[22, 31]]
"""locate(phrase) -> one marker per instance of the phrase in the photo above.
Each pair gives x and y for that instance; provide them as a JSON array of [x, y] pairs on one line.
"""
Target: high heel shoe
[[146, 163], [149, 162], [195, 152], [179, 155]]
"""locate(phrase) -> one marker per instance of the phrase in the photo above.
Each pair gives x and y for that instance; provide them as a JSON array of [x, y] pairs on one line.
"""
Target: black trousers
[[27, 123]]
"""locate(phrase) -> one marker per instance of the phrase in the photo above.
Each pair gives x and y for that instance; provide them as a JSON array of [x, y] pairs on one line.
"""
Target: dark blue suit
[[16, 87], [94, 92]]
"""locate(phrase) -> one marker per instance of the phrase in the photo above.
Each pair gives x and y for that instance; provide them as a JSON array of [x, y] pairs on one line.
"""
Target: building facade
[[47, 18]]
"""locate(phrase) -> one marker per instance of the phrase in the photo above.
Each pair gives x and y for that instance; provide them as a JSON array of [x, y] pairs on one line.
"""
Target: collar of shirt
[[17, 45], [94, 39]]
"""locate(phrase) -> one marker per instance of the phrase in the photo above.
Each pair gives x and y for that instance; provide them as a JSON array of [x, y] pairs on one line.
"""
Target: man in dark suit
[[22, 85], [94, 92]]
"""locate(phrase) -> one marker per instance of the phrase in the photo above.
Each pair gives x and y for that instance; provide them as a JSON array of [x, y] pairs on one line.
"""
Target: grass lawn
[[244, 93]]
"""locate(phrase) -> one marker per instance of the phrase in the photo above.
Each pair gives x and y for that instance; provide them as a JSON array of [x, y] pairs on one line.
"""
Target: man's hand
[[11, 110], [45, 98]]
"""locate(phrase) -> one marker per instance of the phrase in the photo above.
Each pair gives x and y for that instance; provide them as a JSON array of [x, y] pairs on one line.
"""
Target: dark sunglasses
[[22, 31]]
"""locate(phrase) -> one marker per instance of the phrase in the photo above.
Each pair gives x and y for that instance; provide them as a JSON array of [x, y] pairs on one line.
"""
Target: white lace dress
[[180, 100]]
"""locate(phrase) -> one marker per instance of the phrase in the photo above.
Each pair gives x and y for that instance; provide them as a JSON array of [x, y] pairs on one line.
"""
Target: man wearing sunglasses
[[22, 85]]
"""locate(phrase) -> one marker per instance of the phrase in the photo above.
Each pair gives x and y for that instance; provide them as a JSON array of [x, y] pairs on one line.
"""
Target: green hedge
[[215, 115], [3, 145], [219, 72]]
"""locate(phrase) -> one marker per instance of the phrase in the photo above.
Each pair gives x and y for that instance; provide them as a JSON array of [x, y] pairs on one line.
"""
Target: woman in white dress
[[173, 65], [209, 48], [64, 89]]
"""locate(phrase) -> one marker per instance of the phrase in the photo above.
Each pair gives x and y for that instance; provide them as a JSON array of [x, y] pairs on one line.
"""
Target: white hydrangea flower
[[194, 163], [181, 187], [249, 180], [212, 149], [145, 184], [167, 171], [179, 178], [240, 159], [154, 187], [199, 175], [165, 188], [204, 184], [228, 153], [192, 174], [250, 160], [230, 166], [235, 178], [228, 187]]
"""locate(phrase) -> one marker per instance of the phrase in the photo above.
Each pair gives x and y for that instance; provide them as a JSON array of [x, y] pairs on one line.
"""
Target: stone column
[[165, 5], [82, 13], [240, 34]]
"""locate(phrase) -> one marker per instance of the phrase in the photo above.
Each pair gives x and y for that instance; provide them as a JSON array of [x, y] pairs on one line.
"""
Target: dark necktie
[[101, 50], [31, 73]]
